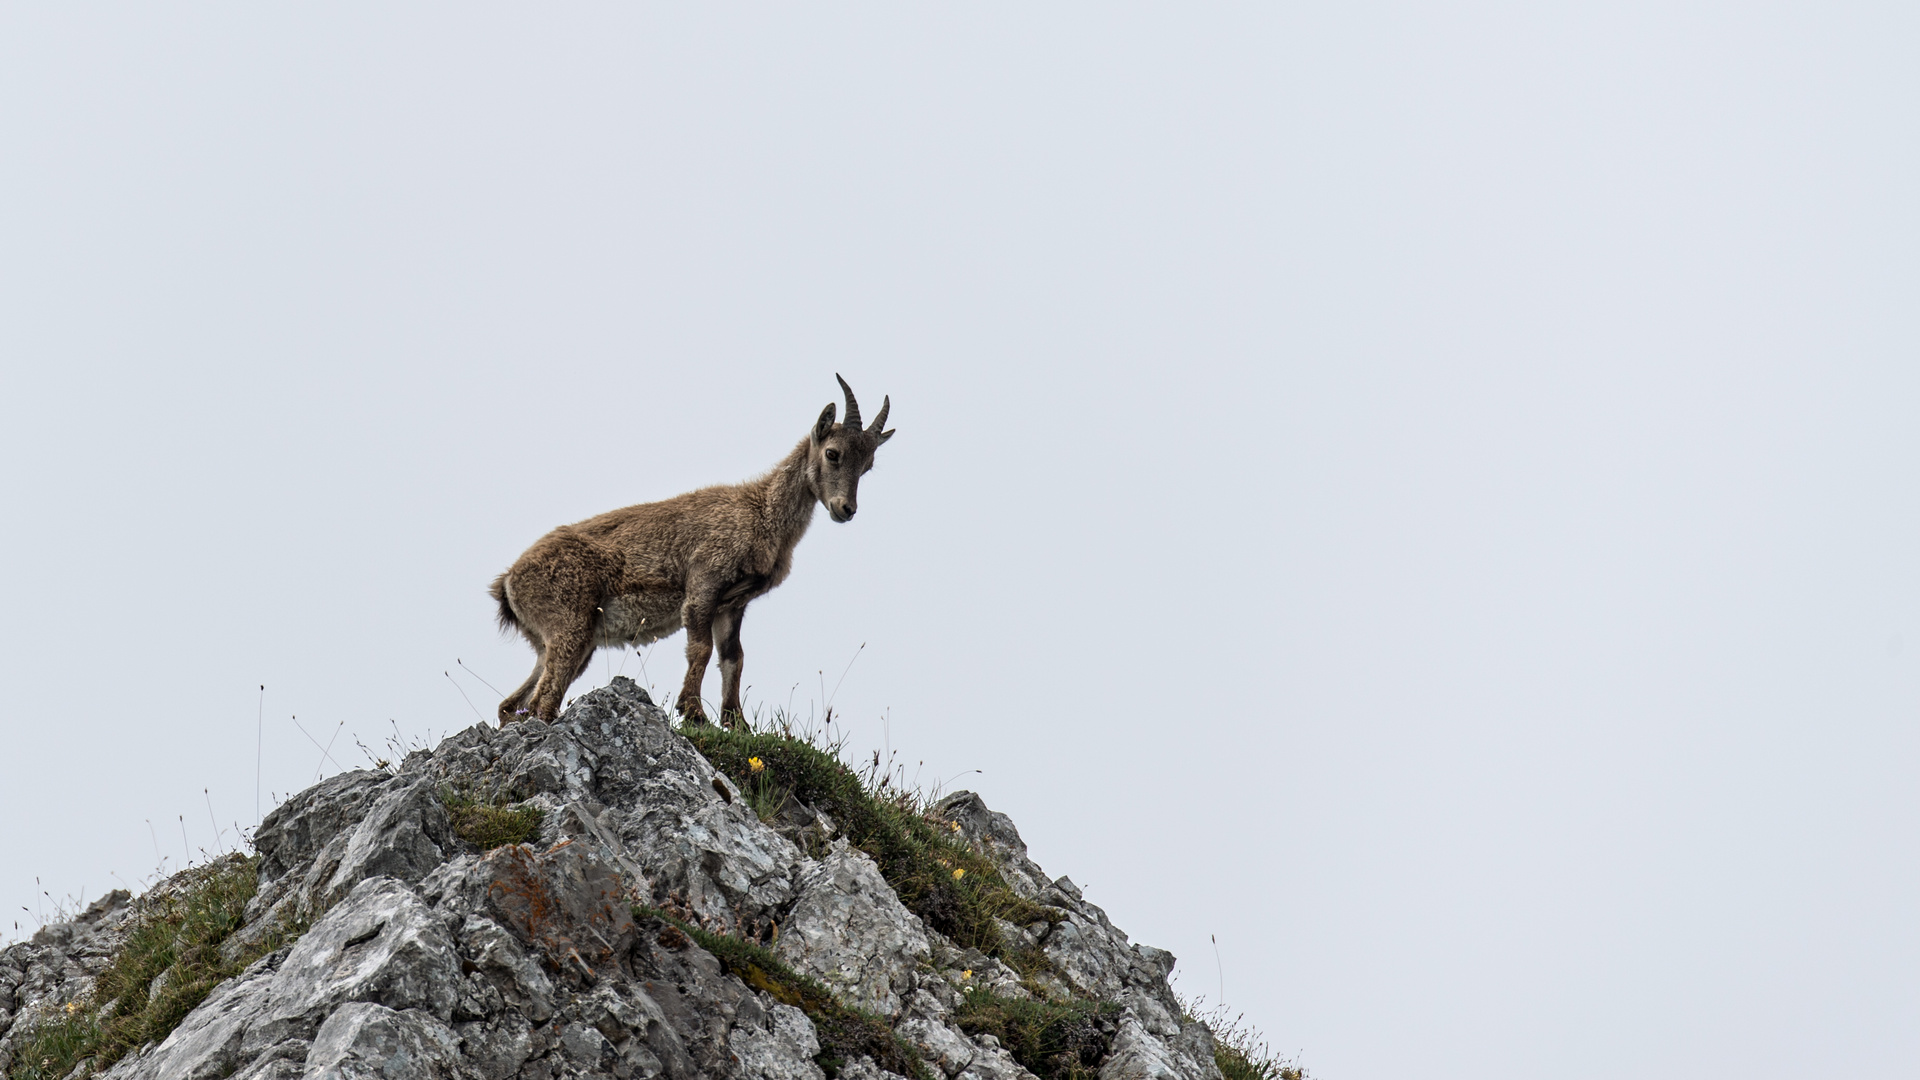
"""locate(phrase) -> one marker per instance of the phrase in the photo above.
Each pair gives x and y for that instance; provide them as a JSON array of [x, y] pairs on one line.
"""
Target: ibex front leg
[[726, 633]]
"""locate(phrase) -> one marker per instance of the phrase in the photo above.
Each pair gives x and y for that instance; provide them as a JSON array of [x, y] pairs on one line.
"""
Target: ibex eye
[[833, 456]]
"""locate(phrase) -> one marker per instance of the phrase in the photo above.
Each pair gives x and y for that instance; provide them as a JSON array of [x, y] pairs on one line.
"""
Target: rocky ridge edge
[[431, 959]]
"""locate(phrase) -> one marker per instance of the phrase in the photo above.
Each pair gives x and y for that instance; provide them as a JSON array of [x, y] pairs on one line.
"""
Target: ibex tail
[[498, 590]]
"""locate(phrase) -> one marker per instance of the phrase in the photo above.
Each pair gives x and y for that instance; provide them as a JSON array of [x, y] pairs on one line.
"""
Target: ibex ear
[[824, 425], [884, 436]]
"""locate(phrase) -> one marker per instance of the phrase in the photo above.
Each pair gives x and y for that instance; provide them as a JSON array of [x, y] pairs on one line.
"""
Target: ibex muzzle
[[636, 575]]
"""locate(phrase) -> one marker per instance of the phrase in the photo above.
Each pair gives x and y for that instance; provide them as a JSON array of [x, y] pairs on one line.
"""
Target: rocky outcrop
[[58, 966], [429, 958]]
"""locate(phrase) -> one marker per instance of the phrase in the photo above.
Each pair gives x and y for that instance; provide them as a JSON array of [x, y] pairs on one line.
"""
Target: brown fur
[[635, 575]]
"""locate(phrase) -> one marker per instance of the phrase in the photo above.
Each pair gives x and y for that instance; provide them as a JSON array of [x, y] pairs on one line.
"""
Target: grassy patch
[[1055, 1040], [168, 964], [55, 1046], [1239, 1049], [845, 1033], [958, 891], [489, 823], [1237, 1064], [765, 794]]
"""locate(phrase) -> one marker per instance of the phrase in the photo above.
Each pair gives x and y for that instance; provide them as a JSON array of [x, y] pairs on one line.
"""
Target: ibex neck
[[789, 495]]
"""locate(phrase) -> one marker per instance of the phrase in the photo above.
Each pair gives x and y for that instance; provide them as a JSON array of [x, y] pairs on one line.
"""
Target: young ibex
[[695, 560]]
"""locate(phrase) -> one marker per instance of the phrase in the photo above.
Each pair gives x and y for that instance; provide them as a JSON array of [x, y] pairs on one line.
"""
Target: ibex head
[[842, 453]]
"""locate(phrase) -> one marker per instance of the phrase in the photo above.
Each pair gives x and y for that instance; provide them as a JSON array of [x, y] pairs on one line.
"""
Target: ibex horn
[[853, 407], [881, 420]]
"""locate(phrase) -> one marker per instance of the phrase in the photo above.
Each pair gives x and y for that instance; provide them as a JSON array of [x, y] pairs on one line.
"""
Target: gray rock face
[[381, 946], [364, 1041], [848, 930], [1138, 1054], [1091, 956], [39, 977], [427, 959]]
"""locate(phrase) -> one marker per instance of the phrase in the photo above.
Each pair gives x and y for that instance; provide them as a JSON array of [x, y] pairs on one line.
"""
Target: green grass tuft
[[1055, 1040], [489, 823], [938, 876], [1237, 1064], [1239, 1049], [845, 1033], [55, 1046], [178, 936]]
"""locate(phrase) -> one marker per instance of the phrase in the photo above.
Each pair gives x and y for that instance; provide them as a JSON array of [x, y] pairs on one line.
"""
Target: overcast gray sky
[[1424, 496]]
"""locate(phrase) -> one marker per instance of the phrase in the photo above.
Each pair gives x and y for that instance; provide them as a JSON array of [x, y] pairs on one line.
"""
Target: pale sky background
[[1424, 496]]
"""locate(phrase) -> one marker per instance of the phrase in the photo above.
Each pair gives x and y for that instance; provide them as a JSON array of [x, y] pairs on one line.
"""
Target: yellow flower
[[755, 764], [956, 826], [967, 974], [72, 1007], [959, 872]]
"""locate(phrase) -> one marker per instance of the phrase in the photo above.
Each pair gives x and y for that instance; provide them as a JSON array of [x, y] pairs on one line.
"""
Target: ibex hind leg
[[566, 659], [513, 706]]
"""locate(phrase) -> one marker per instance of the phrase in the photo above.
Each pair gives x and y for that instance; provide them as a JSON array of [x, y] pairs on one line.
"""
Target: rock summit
[[651, 925]]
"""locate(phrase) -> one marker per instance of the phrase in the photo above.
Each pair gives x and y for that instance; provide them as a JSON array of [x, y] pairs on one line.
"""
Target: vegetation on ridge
[[1054, 1040], [1239, 1049], [957, 891], [168, 964], [488, 823], [937, 874]]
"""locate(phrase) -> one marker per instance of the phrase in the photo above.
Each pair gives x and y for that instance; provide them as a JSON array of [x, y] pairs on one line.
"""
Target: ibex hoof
[[519, 715]]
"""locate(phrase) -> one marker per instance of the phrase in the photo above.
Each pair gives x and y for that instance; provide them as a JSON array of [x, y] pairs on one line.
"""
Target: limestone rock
[[848, 930], [1137, 1054], [613, 773], [40, 976], [778, 1044], [943, 1047], [364, 1041], [428, 959], [381, 945], [1093, 957]]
